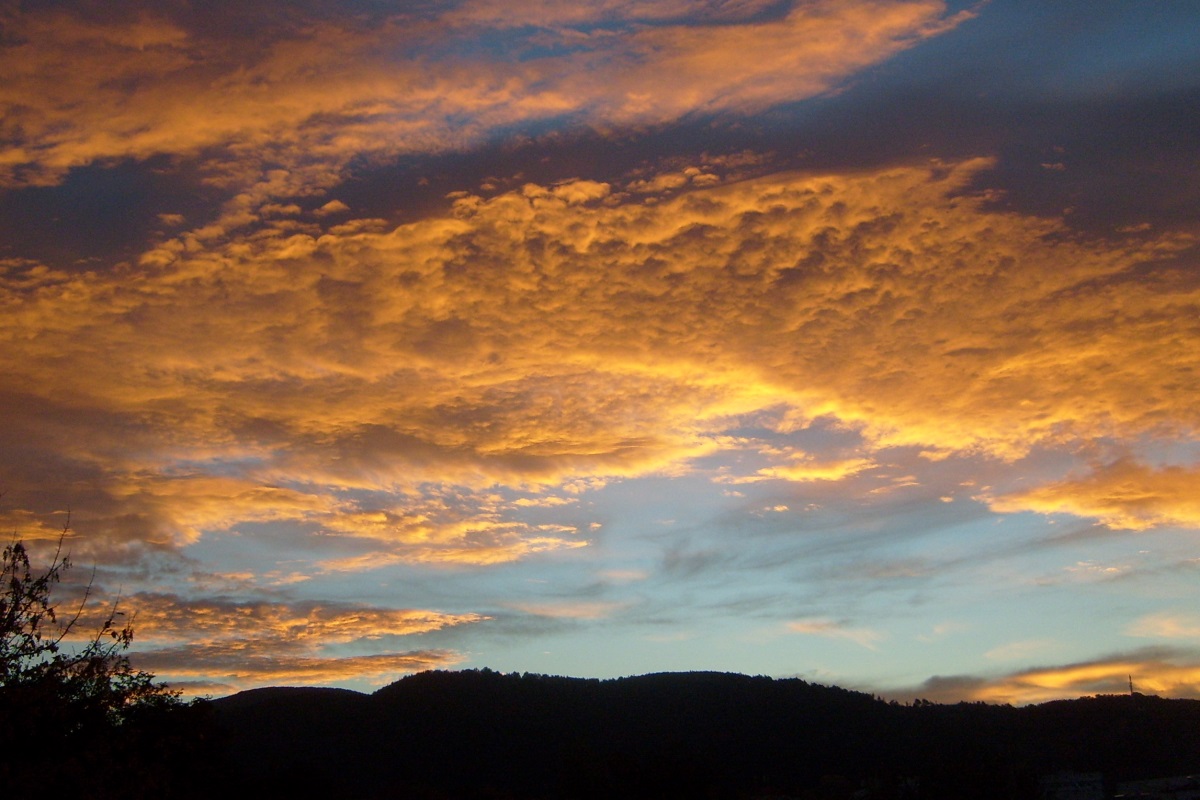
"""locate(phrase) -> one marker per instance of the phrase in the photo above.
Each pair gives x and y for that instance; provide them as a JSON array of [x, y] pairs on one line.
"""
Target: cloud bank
[[554, 333]]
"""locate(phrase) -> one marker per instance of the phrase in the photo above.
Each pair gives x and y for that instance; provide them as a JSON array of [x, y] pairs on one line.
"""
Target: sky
[[848, 340]]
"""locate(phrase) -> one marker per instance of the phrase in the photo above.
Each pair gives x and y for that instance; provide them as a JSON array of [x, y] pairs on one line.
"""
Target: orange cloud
[[1125, 494], [461, 527], [245, 644], [229, 668], [671, 70], [1153, 672], [474, 551], [165, 618], [550, 334], [313, 94]]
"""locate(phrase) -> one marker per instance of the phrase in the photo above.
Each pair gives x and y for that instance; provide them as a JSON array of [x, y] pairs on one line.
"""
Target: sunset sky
[[851, 340]]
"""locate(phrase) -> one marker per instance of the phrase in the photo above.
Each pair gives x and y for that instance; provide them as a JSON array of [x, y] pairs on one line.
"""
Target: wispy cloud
[[863, 637], [484, 550], [162, 618], [802, 469], [570, 609], [226, 667], [248, 643], [943, 629], [312, 94], [1167, 625], [1020, 651], [1170, 673]]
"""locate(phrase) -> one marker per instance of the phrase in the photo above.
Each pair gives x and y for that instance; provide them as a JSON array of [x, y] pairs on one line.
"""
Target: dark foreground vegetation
[[78, 721], [685, 735]]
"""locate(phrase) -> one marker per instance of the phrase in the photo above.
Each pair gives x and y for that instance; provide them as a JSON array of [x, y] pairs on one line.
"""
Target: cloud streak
[[863, 637], [1171, 673], [247, 643], [225, 667], [313, 93], [1166, 625]]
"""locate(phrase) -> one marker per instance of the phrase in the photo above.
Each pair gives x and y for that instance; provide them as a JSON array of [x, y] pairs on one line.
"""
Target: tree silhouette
[[75, 716], [33, 643]]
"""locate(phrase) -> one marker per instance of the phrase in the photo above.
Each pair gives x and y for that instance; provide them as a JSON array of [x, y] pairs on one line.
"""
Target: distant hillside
[[685, 735]]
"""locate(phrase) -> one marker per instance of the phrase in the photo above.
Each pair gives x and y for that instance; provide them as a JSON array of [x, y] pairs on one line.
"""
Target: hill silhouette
[[480, 733]]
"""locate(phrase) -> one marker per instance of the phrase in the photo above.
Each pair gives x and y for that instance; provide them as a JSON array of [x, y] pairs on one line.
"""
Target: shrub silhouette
[[75, 717]]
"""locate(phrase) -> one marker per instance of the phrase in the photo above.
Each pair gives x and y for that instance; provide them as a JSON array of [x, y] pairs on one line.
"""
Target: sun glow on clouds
[[224, 668], [162, 618], [1124, 494], [1153, 672], [807, 469], [487, 347], [458, 392], [244, 644], [318, 92]]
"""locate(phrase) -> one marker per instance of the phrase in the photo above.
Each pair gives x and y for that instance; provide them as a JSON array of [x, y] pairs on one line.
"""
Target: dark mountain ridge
[[480, 733]]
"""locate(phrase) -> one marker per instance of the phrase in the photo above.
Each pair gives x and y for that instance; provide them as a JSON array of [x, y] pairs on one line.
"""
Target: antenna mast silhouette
[[1131, 686]]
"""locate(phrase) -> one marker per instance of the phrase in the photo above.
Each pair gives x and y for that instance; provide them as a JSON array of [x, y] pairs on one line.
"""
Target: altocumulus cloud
[[558, 332]]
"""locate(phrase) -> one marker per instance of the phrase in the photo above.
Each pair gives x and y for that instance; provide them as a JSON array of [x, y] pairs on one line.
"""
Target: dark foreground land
[[482, 734]]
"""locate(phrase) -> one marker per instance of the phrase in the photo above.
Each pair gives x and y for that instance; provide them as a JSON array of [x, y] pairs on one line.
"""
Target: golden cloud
[[1125, 494], [312, 94], [188, 505], [1153, 672], [166, 618], [474, 551], [461, 528], [253, 643], [235, 668], [550, 334], [804, 469]]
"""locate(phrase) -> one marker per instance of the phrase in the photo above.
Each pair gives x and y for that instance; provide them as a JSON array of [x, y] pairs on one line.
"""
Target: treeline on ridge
[[480, 733]]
